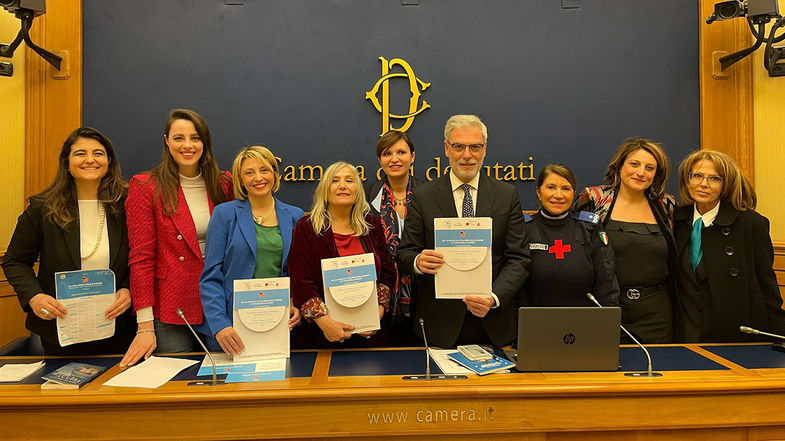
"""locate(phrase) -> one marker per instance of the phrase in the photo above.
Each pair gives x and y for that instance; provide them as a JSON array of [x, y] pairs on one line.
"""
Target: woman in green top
[[247, 238]]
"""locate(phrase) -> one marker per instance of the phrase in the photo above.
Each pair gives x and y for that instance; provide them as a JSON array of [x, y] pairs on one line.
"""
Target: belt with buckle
[[636, 293]]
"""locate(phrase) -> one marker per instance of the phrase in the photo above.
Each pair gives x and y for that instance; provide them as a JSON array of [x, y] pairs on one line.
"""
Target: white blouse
[[90, 212]]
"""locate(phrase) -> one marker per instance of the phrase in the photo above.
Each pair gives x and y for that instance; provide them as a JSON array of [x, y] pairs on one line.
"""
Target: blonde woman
[[247, 238], [339, 225], [725, 278]]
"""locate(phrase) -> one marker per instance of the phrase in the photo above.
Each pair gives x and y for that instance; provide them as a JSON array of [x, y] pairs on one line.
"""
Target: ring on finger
[[45, 311]]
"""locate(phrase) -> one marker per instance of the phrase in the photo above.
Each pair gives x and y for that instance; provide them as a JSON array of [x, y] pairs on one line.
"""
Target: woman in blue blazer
[[247, 238]]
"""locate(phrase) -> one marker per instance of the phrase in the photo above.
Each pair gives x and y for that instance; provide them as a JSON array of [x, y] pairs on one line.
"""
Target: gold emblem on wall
[[416, 87]]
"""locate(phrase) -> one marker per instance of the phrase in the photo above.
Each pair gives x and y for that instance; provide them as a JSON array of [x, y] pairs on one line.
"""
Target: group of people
[[177, 236]]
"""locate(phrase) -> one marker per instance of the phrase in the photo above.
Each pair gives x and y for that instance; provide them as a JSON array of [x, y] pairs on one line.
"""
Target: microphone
[[215, 381], [649, 372], [780, 346], [427, 351], [427, 376], [748, 330]]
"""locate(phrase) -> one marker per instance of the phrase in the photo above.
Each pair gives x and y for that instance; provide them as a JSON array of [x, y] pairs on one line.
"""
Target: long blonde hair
[[736, 189], [320, 215]]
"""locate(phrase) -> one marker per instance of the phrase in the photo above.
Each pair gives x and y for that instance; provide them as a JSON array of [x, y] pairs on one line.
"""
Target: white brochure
[[261, 317], [86, 294], [465, 244], [350, 291]]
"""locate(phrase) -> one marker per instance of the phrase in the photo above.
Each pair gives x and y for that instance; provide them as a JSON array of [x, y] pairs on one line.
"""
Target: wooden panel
[[779, 266], [12, 319], [12, 138], [54, 104], [726, 103], [769, 113], [724, 405]]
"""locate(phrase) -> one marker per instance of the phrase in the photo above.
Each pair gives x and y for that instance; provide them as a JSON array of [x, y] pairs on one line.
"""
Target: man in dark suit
[[466, 192]]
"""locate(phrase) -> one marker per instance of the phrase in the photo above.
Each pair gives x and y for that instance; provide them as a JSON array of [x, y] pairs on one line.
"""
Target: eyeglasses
[[460, 148], [711, 180]]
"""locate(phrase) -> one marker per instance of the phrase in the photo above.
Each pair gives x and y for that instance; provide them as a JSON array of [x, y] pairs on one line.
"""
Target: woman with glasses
[[247, 238], [637, 215], [168, 210], [726, 279]]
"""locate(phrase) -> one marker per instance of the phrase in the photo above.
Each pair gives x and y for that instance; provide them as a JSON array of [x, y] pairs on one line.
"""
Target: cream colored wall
[[12, 134], [769, 117]]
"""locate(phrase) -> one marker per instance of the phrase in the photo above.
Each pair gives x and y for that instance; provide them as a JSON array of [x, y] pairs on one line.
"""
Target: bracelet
[[313, 309], [144, 330]]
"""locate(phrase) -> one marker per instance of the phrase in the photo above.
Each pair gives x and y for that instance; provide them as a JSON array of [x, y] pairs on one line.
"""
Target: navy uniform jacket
[[570, 257]]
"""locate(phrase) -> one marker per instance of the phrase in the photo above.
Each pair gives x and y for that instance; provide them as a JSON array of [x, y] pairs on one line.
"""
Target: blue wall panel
[[555, 84]]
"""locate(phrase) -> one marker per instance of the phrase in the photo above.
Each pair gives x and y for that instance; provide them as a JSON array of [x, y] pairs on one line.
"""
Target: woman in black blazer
[[78, 222], [726, 279], [389, 199]]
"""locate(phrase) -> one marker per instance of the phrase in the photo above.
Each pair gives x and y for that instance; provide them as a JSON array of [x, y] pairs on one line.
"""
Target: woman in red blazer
[[168, 209], [339, 225]]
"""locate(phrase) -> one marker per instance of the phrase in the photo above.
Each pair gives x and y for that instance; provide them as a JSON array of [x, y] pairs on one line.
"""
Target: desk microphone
[[649, 372], [215, 381], [427, 376], [776, 346]]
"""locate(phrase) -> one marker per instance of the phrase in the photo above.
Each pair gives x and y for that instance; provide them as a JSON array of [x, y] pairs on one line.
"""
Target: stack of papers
[[18, 372], [152, 373], [241, 372], [447, 364]]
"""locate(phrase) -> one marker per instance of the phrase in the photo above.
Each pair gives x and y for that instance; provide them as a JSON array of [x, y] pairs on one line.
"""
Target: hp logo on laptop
[[569, 338]]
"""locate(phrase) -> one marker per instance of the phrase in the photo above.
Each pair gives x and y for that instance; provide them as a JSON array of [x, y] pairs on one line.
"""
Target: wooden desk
[[728, 404]]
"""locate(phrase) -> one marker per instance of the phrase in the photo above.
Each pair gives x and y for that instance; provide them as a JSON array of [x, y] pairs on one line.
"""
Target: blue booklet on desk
[[483, 367], [71, 376]]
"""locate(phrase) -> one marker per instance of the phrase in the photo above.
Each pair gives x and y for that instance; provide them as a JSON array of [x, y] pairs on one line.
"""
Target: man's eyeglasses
[[459, 148], [712, 180]]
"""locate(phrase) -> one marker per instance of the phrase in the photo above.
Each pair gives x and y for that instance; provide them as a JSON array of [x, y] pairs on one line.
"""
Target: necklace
[[101, 222], [399, 201], [262, 219]]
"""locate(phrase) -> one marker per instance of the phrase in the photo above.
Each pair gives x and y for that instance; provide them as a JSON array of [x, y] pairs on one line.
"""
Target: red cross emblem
[[558, 249]]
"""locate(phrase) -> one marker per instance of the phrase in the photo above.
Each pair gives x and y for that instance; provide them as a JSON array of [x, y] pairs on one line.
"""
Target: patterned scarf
[[400, 304]]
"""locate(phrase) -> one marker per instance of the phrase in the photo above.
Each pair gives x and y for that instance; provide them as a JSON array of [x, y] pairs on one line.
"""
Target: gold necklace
[[262, 219], [100, 232]]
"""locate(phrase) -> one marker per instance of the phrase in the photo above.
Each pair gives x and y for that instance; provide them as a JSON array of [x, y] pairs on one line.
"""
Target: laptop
[[568, 339]]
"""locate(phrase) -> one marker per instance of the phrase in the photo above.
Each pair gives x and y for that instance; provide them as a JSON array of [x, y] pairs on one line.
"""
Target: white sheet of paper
[[153, 372], [261, 318], [87, 294], [353, 303], [468, 262], [447, 364], [86, 320], [19, 371], [277, 364]]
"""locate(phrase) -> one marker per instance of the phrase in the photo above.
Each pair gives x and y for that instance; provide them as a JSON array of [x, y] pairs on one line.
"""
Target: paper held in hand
[[86, 294], [465, 244], [261, 317], [350, 291]]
